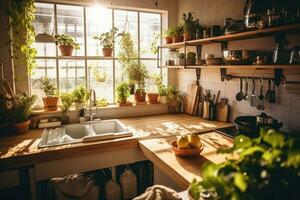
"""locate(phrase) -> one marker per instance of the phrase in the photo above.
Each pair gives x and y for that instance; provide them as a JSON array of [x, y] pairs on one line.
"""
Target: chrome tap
[[92, 103]]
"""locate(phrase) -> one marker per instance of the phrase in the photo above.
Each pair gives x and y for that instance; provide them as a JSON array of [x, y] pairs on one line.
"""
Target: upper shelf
[[239, 36]]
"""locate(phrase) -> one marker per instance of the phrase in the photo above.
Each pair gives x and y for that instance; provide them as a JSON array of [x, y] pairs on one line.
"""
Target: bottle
[[112, 190], [129, 184]]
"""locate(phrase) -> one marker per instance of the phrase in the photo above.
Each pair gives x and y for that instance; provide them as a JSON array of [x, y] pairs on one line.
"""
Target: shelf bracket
[[278, 76], [224, 76]]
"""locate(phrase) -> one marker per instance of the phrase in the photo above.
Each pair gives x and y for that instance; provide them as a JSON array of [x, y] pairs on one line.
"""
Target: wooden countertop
[[184, 170], [22, 150]]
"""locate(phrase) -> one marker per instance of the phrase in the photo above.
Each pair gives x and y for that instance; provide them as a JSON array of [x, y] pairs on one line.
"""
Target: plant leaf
[[240, 181]]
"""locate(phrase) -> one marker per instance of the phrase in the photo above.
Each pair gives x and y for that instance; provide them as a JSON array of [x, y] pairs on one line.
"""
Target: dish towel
[[159, 192], [72, 187]]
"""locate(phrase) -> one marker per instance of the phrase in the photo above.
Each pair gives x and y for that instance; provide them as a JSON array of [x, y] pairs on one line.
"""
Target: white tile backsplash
[[286, 109]]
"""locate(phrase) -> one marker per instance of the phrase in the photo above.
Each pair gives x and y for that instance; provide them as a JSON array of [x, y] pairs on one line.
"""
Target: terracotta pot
[[168, 39], [50, 103], [186, 36], [66, 50], [152, 98], [107, 52], [21, 127], [181, 62], [162, 99], [190, 61], [177, 39], [140, 96]]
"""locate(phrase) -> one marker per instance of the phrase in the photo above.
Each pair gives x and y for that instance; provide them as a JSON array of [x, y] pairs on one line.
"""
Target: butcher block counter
[[22, 150], [183, 170]]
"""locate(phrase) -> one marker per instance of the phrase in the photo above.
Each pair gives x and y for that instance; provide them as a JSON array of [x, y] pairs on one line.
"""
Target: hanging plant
[[22, 34]]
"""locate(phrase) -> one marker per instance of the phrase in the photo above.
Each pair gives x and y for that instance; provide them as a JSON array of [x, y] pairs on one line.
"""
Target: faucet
[[92, 103]]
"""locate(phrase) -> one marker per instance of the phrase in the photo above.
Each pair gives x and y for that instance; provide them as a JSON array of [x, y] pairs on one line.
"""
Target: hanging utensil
[[246, 90], [272, 98], [240, 96], [269, 90], [253, 99], [260, 105]]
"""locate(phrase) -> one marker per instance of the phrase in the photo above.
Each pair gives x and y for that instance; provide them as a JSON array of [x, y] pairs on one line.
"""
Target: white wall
[[212, 12]]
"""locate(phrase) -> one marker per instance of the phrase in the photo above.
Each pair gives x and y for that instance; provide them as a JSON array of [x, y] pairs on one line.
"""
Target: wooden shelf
[[239, 36], [258, 67]]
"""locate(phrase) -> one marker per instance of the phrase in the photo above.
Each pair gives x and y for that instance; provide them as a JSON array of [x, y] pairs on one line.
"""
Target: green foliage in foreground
[[266, 167]]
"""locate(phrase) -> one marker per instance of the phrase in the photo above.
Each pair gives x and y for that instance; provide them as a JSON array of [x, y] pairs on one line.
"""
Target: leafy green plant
[[122, 92], [169, 32], [48, 87], [155, 43], [21, 31], [81, 94], [266, 167], [21, 109], [102, 102], [158, 81], [190, 25], [66, 101], [135, 72], [6, 104], [107, 39], [191, 55], [181, 56], [66, 40], [177, 30]]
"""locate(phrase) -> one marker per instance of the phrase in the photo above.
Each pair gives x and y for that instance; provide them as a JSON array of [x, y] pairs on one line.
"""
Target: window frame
[[87, 58]]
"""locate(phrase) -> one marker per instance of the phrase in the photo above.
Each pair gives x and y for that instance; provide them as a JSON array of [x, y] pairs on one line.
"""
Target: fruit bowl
[[186, 153]]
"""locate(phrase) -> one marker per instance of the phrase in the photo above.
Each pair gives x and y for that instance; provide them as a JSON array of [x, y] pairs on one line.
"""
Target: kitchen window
[[83, 23]]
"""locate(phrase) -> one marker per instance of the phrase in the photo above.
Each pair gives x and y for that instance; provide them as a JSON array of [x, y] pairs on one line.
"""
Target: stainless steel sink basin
[[84, 132]]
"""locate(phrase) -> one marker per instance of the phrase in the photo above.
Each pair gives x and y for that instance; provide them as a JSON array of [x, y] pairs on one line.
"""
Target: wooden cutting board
[[190, 99], [222, 112]]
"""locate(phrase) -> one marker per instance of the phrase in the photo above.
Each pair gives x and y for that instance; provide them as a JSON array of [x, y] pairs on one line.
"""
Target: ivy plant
[[21, 30], [266, 167]]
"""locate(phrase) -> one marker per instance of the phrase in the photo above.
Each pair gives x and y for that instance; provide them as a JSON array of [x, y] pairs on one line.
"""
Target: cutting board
[[190, 98]]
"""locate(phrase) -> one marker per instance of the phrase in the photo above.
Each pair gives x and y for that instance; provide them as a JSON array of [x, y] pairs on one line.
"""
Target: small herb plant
[[138, 74], [21, 109], [122, 92], [177, 30], [181, 56], [161, 88], [189, 24], [66, 101], [81, 94], [266, 167], [66, 40], [102, 102], [169, 32], [191, 55], [107, 39], [48, 87]]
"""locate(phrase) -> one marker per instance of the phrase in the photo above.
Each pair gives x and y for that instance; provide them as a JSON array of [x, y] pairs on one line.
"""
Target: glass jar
[[172, 57]]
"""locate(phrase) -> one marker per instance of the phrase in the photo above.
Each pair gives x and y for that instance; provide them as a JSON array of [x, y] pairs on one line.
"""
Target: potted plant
[[177, 33], [137, 74], [106, 40], [6, 104], [191, 58], [51, 99], [168, 35], [181, 59], [161, 88], [266, 167], [80, 96], [66, 44], [122, 93], [66, 103], [21, 111], [190, 26]]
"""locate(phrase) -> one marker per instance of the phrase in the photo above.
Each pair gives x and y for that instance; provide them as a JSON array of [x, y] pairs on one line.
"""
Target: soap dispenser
[[128, 182], [112, 188]]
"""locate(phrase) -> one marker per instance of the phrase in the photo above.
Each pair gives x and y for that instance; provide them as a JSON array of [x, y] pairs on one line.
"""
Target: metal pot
[[239, 57]]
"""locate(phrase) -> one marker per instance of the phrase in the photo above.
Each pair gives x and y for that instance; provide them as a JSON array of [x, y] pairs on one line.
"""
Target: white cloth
[[159, 192], [72, 187]]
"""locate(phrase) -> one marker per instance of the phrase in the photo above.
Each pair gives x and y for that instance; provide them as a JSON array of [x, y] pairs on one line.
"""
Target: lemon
[[183, 142], [194, 140]]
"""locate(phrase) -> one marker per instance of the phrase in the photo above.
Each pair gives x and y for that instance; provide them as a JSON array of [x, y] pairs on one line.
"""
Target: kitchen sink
[[84, 132]]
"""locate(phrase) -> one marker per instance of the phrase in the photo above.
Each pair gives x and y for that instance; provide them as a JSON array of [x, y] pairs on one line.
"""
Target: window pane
[[100, 76], [44, 18], [45, 49], [71, 74], [45, 68], [126, 20], [99, 20], [149, 29], [70, 22]]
